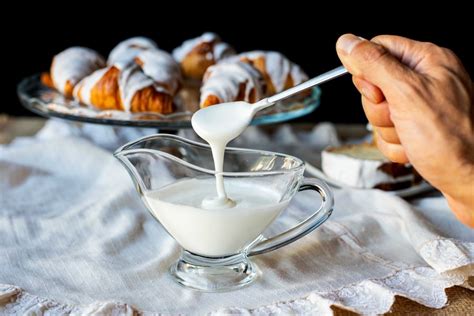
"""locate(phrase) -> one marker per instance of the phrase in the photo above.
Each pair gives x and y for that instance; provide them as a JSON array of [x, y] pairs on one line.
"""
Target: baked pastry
[[138, 77], [233, 81], [197, 54], [162, 68], [230, 80], [148, 85], [70, 66], [277, 70], [364, 166], [125, 52]]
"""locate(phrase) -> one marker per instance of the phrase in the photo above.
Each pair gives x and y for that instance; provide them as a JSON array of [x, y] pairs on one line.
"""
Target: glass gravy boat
[[217, 243]]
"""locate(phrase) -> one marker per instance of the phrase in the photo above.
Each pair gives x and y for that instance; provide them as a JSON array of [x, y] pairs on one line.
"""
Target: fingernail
[[347, 42]]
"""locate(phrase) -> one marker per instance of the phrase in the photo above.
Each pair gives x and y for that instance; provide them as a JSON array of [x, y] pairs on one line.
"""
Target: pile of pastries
[[139, 77]]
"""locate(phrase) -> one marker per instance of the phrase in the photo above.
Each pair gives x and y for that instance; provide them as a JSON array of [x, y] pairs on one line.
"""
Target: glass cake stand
[[47, 102]]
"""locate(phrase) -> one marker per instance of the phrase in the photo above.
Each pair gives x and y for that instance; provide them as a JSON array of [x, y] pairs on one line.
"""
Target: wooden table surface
[[460, 300]]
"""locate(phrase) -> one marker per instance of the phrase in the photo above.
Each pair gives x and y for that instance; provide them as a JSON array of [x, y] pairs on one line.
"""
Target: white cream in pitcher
[[214, 232], [205, 216]]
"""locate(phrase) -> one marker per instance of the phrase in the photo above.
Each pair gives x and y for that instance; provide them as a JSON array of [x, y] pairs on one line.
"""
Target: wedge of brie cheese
[[364, 166]]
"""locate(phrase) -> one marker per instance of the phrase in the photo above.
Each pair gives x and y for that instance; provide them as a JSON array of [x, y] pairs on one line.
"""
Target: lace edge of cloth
[[452, 263], [447, 254]]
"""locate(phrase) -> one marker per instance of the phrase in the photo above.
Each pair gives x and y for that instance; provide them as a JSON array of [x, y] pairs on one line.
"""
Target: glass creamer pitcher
[[172, 174]]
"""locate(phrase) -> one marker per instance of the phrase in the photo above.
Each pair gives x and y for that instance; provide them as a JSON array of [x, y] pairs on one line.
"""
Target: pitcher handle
[[304, 227]]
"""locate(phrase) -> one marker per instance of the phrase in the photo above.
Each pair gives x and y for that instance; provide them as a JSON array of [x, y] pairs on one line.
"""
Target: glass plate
[[48, 102]]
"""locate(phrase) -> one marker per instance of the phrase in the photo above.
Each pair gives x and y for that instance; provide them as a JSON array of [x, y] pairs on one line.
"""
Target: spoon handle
[[337, 72]]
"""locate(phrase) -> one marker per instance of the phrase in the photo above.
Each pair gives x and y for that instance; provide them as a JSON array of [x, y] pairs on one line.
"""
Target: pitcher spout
[[157, 160]]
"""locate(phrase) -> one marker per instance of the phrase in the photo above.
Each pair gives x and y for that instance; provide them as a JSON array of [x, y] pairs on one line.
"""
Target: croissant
[[70, 66], [125, 52], [145, 86], [233, 81], [277, 70], [197, 54], [162, 68]]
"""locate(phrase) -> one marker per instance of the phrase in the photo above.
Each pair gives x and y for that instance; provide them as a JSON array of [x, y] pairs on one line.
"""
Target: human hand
[[419, 99]]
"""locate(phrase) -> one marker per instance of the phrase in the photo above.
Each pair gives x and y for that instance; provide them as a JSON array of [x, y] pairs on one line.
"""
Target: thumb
[[377, 64]]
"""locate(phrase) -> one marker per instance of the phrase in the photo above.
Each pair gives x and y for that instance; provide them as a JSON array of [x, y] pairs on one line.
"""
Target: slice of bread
[[364, 166]]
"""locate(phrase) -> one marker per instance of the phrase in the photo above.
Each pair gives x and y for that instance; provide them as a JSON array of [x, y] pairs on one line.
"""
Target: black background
[[305, 34]]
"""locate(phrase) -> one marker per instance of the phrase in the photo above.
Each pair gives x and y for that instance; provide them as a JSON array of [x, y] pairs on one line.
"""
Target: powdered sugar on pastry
[[73, 64], [157, 69], [298, 75], [82, 91], [220, 49], [277, 66], [131, 80], [162, 68], [223, 81], [124, 53]]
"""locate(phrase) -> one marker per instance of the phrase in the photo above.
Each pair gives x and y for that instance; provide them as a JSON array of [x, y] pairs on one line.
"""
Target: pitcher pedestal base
[[214, 274]]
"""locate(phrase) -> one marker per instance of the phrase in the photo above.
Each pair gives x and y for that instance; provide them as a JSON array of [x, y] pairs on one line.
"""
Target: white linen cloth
[[75, 238]]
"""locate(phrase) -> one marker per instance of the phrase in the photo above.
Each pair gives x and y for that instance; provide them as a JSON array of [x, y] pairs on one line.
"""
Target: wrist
[[464, 211], [460, 196]]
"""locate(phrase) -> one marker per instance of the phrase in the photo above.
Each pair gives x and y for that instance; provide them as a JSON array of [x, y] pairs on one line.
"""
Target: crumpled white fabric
[[76, 239]]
